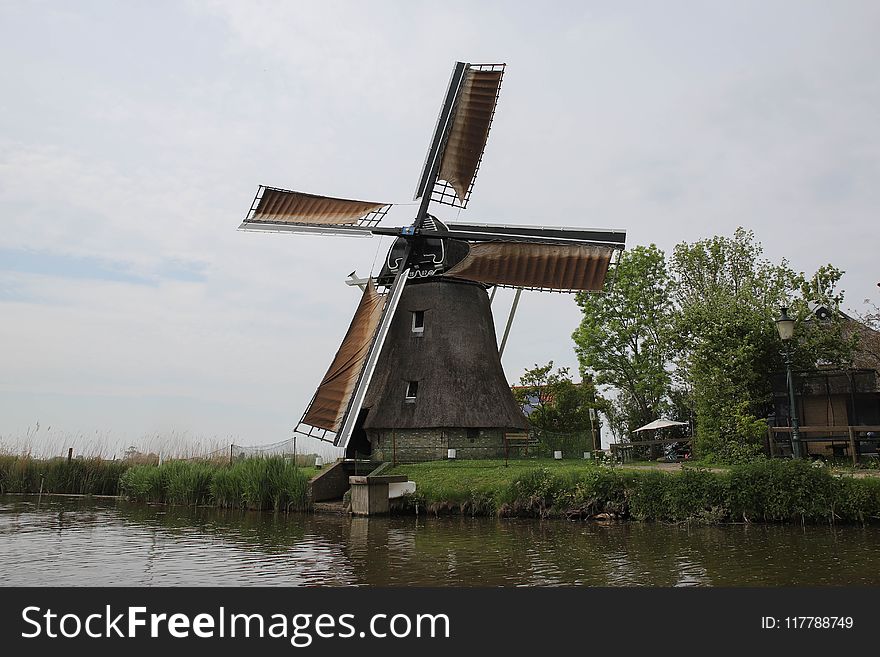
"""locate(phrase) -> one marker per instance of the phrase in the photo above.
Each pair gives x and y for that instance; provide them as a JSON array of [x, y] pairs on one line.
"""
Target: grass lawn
[[488, 471], [311, 471], [459, 480]]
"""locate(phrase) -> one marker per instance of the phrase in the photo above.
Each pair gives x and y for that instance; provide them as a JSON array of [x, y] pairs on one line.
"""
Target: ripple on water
[[81, 542]]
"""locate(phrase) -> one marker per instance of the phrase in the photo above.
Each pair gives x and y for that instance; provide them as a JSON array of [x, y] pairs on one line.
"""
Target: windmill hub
[[426, 256], [418, 371]]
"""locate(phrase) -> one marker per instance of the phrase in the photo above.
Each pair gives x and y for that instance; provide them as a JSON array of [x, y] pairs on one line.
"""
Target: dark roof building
[[836, 397]]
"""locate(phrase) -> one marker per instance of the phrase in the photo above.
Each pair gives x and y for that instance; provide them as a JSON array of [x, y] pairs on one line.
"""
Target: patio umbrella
[[660, 424]]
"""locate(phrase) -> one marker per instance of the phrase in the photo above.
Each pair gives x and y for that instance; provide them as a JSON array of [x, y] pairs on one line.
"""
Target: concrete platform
[[369, 494]]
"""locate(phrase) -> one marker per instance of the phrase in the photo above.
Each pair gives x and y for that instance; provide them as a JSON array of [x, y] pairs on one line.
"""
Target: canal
[[90, 542]]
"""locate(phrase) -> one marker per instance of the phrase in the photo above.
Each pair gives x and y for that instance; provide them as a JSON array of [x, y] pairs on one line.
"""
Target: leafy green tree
[[559, 405], [624, 338], [821, 342], [727, 349], [696, 337]]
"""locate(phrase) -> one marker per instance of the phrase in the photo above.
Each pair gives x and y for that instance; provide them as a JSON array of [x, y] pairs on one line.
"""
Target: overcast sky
[[133, 137]]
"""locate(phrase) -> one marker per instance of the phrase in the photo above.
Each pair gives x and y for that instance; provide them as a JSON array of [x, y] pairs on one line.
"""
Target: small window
[[418, 322], [412, 389], [473, 434]]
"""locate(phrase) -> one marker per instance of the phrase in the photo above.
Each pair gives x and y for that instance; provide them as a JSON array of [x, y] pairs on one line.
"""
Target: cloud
[[128, 158]]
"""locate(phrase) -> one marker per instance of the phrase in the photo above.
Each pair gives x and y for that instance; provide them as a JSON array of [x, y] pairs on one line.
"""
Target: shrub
[[781, 490], [762, 490]]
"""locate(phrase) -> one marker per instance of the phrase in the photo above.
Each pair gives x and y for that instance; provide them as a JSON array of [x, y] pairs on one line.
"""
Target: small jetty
[[370, 489]]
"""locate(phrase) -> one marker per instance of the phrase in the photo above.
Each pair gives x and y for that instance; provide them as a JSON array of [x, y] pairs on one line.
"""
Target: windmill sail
[[469, 132], [519, 233], [372, 357], [281, 208], [461, 138], [536, 265], [331, 400]]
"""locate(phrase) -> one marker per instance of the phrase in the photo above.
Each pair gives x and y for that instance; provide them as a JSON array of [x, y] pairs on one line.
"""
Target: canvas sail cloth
[[288, 207], [469, 130], [328, 407], [561, 267]]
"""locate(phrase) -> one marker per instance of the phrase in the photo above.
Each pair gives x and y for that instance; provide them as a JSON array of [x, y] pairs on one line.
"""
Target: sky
[[133, 137]]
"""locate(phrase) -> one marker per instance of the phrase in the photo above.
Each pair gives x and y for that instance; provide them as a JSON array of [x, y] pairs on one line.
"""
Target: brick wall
[[407, 445]]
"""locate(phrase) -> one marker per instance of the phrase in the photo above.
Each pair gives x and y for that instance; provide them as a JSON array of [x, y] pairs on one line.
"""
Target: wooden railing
[[847, 435]]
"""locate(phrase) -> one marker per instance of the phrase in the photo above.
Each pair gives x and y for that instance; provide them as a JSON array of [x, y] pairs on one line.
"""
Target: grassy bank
[[253, 483], [763, 491]]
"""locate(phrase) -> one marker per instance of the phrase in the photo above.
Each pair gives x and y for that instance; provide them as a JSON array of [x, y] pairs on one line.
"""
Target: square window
[[412, 389], [418, 321]]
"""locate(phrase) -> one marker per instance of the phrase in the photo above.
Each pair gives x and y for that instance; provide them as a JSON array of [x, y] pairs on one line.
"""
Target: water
[[88, 542]]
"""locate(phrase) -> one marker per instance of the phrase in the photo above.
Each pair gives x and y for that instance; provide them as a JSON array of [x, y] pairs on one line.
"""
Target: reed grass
[[47, 442], [85, 476], [272, 483]]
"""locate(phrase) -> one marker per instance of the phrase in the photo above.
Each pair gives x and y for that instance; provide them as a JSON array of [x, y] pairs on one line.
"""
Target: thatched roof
[[867, 354], [860, 375], [454, 360]]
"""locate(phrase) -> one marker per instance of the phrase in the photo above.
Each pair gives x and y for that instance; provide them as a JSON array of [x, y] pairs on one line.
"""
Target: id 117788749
[[807, 623]]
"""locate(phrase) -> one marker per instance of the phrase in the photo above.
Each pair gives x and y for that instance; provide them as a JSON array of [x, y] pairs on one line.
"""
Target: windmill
[[418, 371]]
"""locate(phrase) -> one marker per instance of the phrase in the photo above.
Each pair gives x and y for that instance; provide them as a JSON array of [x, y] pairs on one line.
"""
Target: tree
[[624, 338], [871, 316], [698, 339], [559, 404], [869, 338], [821, 342], [727, 349], [560, 407]]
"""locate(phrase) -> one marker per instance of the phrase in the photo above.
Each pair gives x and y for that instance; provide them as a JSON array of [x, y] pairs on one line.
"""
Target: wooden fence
[[848, 438]]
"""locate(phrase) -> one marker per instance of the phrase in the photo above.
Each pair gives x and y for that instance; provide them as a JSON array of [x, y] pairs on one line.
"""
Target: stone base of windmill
[[413, 445]]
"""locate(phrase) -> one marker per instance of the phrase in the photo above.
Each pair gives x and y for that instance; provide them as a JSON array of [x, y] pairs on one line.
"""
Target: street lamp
[[785, 326]]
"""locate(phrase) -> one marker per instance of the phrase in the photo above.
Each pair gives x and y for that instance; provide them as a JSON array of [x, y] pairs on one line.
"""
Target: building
[[835, 397], [588, 437], [439, 384]]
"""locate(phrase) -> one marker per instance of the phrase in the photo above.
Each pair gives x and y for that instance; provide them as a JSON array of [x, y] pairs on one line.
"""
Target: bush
[[757, 491], [857, 500], [781, 490]]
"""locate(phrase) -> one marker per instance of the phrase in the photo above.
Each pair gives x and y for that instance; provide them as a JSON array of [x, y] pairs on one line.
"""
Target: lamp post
[[785, 326]]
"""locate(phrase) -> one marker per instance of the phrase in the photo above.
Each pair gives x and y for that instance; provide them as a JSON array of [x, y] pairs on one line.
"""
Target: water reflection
[[82, 542]]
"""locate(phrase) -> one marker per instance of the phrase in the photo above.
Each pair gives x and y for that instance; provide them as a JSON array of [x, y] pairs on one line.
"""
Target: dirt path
[[664, 467]]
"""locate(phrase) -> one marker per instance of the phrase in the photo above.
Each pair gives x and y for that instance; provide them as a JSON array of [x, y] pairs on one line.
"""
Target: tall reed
[[272, 483], [80, 476]]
